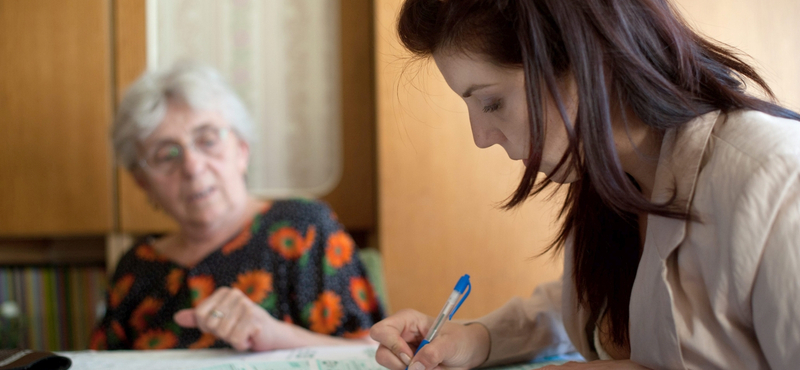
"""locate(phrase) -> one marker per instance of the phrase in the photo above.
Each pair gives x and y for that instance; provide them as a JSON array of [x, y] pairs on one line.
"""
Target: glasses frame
[[142, 162]]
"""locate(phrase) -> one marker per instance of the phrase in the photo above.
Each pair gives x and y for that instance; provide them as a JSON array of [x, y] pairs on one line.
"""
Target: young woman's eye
[[491, 107]]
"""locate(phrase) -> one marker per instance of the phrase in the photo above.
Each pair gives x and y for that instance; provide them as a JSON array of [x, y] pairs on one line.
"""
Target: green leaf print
[[173, 327], [256, 225], [328, 269], [276, 226], [270, 302], [306, 314], [303, 262]]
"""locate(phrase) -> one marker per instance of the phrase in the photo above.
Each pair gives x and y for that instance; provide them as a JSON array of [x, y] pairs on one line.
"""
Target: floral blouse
[[293, 259]]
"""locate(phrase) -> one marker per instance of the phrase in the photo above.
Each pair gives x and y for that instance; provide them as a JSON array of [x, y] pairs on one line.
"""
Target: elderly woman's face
[[193, 165]]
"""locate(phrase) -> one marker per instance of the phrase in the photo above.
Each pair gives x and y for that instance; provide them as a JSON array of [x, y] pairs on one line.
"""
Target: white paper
[[357, 357]]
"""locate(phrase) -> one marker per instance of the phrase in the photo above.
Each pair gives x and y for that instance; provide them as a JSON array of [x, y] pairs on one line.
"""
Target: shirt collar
[[679, 164]]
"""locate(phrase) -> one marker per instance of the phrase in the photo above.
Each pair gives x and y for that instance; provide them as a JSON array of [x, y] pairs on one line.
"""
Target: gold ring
[[217, 313]]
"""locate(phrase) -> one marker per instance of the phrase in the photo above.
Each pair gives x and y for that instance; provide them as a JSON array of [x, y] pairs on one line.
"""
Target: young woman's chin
[[565, 177]]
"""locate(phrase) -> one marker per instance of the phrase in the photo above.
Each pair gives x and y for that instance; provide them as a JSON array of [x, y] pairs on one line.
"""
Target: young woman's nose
[[484, 134]]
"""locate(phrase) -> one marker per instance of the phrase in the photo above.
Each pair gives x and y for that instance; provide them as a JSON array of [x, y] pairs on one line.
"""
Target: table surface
[[357, 357]]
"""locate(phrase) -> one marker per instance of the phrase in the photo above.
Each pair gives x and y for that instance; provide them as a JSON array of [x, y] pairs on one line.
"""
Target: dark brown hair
[[660, 70]]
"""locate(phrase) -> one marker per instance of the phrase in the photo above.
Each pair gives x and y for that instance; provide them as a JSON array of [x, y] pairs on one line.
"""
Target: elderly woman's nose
[[193, 162]]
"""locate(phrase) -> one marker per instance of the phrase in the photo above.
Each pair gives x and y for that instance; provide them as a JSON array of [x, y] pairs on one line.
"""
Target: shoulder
[[750, 172], [751, 154], [133, 257], [757, 137]]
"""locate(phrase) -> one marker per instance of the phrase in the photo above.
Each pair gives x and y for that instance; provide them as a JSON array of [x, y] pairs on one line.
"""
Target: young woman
[[681, 230]]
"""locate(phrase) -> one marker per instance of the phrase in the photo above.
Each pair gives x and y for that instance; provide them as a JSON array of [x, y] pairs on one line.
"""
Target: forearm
[[524, 329], [293, 336]]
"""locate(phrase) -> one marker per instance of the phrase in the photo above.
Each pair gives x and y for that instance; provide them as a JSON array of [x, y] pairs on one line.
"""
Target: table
[[356, 357]]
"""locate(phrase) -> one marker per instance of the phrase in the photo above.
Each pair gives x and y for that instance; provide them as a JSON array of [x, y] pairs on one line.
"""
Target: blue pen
[[449, 309]]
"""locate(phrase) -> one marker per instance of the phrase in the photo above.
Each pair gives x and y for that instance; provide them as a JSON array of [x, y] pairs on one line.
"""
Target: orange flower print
[[141, 316], [362, 293], [238, 242], [326, 313], [146, 252], [120, 290], [206, 340], [255, 284], [98, 341], [200, 287], [117, 331], [156, 339], [360, 333], [289, 243], [288, 319], [174, 281], [339, 250]]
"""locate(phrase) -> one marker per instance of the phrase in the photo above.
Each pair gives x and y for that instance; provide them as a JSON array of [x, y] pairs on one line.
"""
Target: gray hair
[[145, 104]]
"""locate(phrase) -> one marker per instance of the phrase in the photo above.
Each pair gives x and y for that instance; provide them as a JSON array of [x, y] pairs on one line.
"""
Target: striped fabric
[[57, 304]]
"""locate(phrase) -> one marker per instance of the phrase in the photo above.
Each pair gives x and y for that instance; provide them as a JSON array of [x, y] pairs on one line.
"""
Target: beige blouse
[[722, 292]]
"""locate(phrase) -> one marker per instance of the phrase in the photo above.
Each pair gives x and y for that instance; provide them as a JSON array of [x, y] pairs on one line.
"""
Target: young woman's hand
[[456, 346], [230, 315], [598, 365]]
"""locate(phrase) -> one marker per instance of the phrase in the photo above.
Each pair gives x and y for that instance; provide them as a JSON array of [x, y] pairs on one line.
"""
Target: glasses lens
[[208, 140], [164, 157]]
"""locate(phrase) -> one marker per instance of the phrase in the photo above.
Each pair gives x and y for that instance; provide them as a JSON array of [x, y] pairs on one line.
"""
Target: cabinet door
[[130, 47], [55, 108]]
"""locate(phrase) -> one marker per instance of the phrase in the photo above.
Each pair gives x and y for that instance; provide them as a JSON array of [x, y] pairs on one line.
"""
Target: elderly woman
[[240, 271]]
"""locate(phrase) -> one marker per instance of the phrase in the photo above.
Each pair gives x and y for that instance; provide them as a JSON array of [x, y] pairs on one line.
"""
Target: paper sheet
[[310, 358]]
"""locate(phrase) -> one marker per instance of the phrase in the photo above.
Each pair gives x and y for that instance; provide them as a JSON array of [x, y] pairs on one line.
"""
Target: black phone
[[25, 359]]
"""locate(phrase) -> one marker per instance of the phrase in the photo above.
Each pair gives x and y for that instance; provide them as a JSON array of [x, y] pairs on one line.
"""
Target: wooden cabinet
[[63, 65], [55, 106]]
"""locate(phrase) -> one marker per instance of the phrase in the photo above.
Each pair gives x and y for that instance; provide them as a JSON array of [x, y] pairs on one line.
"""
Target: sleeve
[[525, 329], [343, 301], [776, 289]]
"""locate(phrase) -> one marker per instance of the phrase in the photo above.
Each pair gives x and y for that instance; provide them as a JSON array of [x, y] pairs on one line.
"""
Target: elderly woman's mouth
[[200, 195]]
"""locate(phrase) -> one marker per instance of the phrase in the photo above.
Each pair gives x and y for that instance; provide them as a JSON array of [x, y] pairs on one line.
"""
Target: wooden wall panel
[[55, 105], [354, 198], [767, 31], [439, 194]]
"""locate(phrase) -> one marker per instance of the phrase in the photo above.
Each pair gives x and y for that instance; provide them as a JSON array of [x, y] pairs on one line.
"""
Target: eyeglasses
[[167, 156]]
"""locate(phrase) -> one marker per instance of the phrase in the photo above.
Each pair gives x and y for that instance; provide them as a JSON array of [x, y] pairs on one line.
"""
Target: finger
[[396, 331], [207, 322], [433, 354], [243, 332], [234, 306], [185, 318], [386, 358]]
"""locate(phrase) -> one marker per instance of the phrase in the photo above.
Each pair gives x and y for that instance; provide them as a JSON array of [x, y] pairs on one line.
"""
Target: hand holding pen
[[451, 345]]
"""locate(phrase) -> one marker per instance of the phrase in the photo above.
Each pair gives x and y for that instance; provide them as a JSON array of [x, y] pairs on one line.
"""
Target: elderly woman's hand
[[231, 316]]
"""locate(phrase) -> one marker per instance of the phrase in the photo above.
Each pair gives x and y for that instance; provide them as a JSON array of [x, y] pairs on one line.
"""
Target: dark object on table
[[25, 359]]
